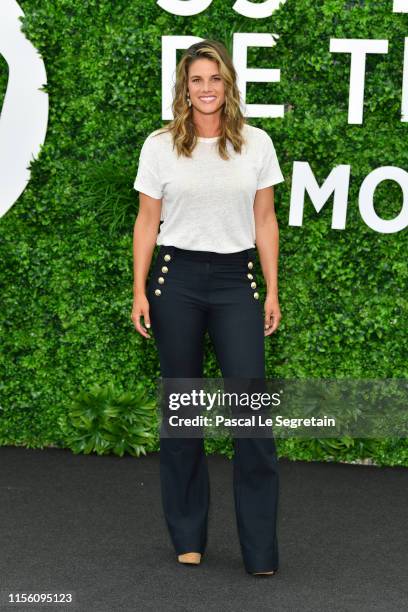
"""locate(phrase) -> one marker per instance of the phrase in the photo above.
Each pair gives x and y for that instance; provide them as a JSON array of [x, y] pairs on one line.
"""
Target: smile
[[208, 99]]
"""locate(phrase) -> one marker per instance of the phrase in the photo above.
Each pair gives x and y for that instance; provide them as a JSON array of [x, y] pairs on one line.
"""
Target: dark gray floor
[[93, 526]]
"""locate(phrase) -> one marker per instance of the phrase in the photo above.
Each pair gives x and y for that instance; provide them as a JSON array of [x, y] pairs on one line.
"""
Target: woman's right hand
[[141, 308]]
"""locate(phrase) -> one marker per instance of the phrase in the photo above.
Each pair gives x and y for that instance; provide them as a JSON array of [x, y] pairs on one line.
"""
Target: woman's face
[[205, 86]]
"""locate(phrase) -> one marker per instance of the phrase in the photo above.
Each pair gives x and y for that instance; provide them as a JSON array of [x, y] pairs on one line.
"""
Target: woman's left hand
[[272, 313]]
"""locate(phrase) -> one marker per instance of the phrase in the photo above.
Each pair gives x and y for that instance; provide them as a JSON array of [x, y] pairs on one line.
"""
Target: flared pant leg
[[236, 328], [179, 327]]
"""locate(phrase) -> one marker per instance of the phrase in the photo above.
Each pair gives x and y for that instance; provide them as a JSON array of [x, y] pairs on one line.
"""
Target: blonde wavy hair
[[232, 120]]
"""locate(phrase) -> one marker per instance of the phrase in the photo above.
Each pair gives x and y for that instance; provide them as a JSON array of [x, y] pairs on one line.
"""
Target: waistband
[[212, 256]]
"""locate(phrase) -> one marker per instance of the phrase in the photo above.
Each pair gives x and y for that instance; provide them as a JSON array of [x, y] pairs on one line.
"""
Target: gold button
[[165, 269], [250, 265], [161, 280], [256, 295], [157, 292], [167, 257], [253, 285], [249, 275]]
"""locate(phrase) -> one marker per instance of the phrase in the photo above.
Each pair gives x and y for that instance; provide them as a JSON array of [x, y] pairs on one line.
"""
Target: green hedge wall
[[66, 245]]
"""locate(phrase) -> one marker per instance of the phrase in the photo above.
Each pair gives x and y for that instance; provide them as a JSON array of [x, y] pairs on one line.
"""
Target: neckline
[[212, 139]]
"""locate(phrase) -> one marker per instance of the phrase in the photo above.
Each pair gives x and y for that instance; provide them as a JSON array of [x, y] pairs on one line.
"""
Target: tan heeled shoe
[[193, 558]]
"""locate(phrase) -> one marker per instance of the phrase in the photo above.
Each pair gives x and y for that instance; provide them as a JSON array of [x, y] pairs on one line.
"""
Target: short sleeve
[[270, 172], [148, 173]]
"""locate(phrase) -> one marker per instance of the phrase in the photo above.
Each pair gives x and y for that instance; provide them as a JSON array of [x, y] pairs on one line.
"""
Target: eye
[[216, 78]]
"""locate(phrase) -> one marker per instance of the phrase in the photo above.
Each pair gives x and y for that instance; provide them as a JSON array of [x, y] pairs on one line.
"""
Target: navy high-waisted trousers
[[189, 293]]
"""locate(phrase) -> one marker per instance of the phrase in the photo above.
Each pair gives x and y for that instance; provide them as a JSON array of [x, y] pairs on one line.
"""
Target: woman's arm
[[267, 243], [144, 240]]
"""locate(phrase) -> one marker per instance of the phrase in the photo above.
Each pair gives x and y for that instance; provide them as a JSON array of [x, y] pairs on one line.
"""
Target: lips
[[208, 99]]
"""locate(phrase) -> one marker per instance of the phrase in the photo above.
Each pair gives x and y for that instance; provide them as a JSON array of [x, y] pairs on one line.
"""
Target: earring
[[188, 100]]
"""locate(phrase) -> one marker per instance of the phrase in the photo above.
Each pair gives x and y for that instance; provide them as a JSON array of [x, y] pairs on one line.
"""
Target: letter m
[[303, 180]]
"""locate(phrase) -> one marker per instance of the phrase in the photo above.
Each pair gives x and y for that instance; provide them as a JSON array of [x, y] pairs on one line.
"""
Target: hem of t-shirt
[[141, 187], [270, 182]]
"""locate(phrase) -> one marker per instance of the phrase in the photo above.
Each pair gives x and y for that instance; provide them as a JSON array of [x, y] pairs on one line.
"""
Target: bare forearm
[[267, 242], [144, 240]]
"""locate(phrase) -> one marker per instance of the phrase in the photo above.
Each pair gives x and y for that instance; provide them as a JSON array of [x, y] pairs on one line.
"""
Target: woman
[[208, 177]]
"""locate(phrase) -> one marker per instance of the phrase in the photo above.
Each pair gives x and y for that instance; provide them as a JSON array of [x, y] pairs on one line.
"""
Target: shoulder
[[257, 135], [159, 134], [155, 140]]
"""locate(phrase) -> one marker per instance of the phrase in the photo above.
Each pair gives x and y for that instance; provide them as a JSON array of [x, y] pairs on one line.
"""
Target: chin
[[215, 106]]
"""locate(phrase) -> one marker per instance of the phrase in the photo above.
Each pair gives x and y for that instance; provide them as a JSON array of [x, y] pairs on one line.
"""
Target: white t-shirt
[[207, 202]]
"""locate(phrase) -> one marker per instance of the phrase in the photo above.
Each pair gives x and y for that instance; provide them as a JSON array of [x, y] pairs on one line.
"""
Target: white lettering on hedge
[[337, 183], [358, 49], [187, 8], [400, 6], [24, 116], [303, 180], [258, 75], [257, 11], [366, 199]]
